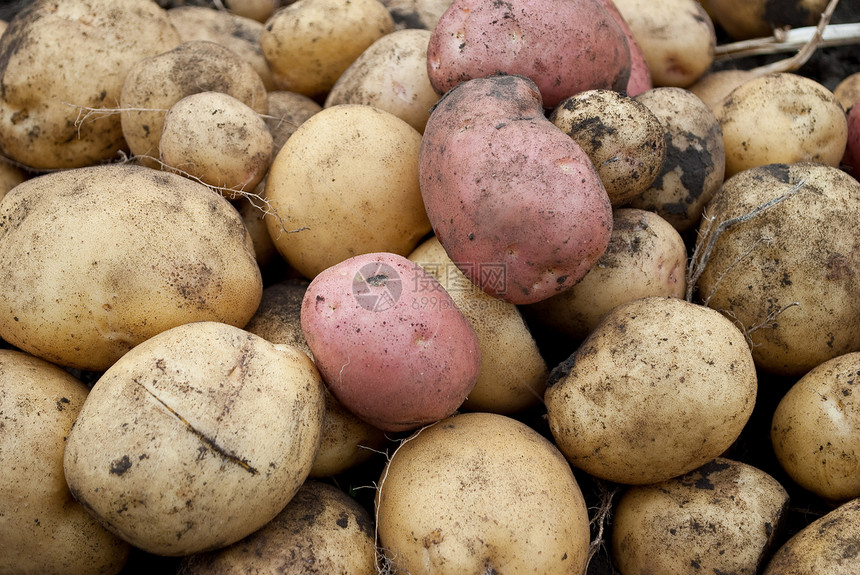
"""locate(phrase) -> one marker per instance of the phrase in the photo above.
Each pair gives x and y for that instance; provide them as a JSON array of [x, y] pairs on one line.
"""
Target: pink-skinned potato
[[515, 202], [852, 150], [564, 47], [389, 342]]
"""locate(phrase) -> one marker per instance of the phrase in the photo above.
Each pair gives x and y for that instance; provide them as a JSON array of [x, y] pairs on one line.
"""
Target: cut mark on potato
[[209, 442]]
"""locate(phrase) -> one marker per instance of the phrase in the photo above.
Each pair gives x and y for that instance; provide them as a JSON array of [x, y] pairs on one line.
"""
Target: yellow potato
[[816, 429], [217, 140], [320, 530], [848, 91], [714, 87], [212, 431], [346, 183], [59, 58], [480, 493], [745, 19], [310, 43], [287, 111], [259, 10], [720, 518], [659, 388], [646, 256], [42, 529], [781, 118], [129, 253], [513, 373], [391, 75]]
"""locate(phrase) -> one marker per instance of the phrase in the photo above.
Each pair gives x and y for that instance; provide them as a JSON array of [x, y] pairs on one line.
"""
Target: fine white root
[[599, 520], [703, 250], [706, 300], [768, 322]]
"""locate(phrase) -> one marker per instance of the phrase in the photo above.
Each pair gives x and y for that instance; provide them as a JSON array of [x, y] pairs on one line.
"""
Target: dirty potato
[[287, 111]]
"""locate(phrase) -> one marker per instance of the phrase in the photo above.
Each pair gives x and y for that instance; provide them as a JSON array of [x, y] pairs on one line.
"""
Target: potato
[[96, 260], [155, 84], [720, 518], [563, 47], [392, 76], [10, 176], [646, 257], [419, 14], [346, 183], [828, 546], [481, 493], [320, 530], [640, 74], [310, 43], [745, 19], [259, 10], [287, 111], [852, 148], [714, 87], [42, 529], [346, 440], [795, 119], [677, 38], [695, 162], [848, 91], [513, 372], [239, 33], [815, 430], [659, 388], [624, 139], [791, 274], [58, 58], [393, 364], [212, 431], [515, 202], [216, 139]]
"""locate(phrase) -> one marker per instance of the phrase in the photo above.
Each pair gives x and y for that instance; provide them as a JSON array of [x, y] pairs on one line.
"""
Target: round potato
[[816, 427], [659, 388], [59, 58], [116, 254], [848, 91], [392, 363], [259, 10], [212, 431], [346, 183], [392, 76], [310, 43], [624, 139], [155, 84], [239, 33], [781, 118], [720, 518], [513, 372], [217, 140], [563, 47], [677, 38], [714, 87], [43, 530], [695, 163], [646, 257], [480, 493], [287, 111], [515, 202], [828, 545], [789, 275], [852, 148], [321, 528], [745, 19], [346, 440]]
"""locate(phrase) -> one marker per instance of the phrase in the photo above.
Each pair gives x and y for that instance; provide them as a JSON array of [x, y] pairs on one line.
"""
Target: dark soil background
[[829, 66]]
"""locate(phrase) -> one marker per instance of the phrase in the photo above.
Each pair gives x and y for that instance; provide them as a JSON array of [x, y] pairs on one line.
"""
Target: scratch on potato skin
[[243, 463]]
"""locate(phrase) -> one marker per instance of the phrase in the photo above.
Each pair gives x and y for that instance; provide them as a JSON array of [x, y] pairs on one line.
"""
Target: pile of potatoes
[[424, 286]]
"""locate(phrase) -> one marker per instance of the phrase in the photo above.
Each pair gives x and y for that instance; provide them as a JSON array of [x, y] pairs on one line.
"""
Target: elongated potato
[[114, 255]]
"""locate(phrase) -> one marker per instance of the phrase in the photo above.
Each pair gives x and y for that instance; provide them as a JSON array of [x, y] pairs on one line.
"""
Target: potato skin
[[659, 388], [56, 55], [515, 202], [392, 363], [481, 493], [804, 249], [722, 517], [815, 430], [43, 530], [114, 255], [213, 430], [564, 47]]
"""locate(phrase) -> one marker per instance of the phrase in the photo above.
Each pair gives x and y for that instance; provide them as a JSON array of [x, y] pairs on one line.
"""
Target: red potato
[[515, 202], [392, 362], [564, 47], [852, 150]]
